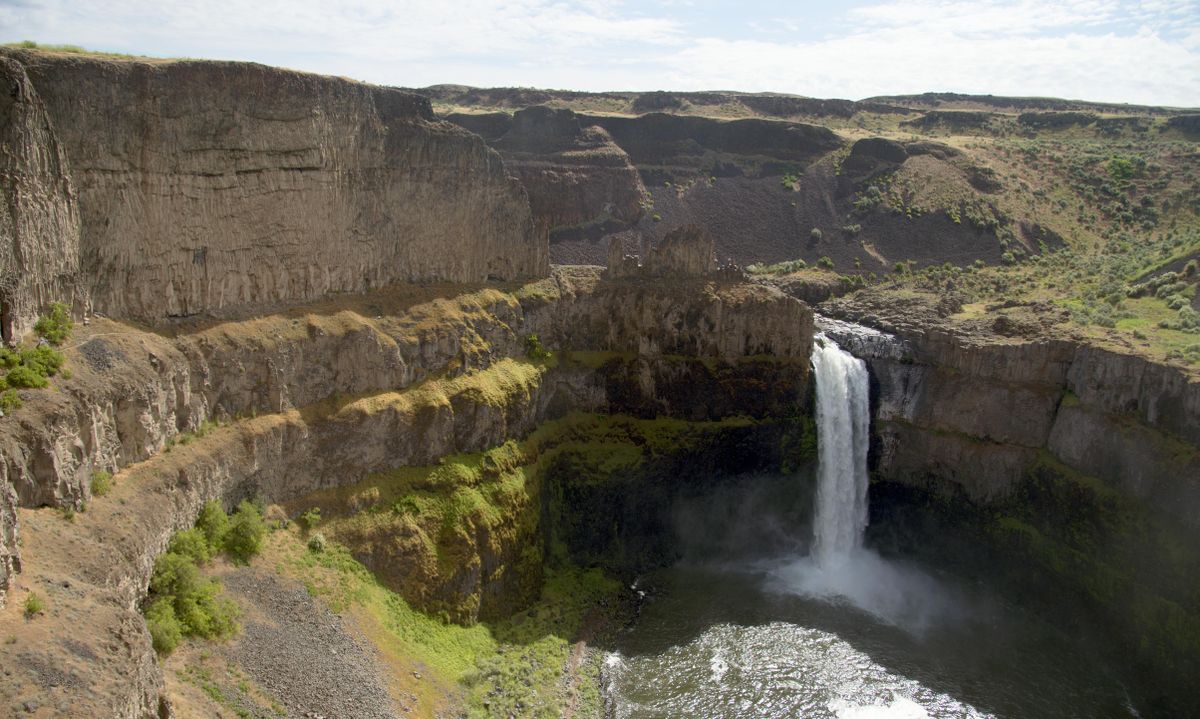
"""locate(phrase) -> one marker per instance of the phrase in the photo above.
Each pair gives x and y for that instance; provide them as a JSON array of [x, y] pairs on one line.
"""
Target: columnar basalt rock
[[134, 392], [39, 220], [209, 187], [580, 182]]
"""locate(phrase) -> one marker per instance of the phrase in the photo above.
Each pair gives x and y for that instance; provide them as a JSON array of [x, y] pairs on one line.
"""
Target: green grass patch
[[514, 665]]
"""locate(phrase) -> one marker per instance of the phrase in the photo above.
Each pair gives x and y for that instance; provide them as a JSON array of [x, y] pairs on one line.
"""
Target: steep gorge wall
[[132, 392], [39, 218], [1067, 472], [206, 187], [580, 182], [342, 393]]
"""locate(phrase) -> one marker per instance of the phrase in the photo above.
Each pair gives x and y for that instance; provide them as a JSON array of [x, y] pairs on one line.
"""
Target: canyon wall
[[1067, 472], [133, 392], [342, 389], [580, 183], [39, 217], [208, 187]]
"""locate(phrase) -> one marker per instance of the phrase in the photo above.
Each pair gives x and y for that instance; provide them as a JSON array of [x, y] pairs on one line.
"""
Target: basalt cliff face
[[1052, 462], [201, 187], [581, 184], [321, 396], [39, 219]]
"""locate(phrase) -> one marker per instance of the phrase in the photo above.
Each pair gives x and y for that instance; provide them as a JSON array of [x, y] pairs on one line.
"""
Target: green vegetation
[[780, 268], [34, 605], [56, 326], [1117, 287], [182, 603], [534, 349], [101, 483], [317, 543], [243, 536], [510, 667], [32, 367], [310, 518], [230, 688]]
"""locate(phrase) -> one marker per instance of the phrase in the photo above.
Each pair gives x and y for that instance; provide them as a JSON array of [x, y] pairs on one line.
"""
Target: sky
[[1133, 51]]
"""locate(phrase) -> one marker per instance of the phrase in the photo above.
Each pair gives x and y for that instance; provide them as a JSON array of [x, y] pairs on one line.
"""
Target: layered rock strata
[[426, 379], [580, 183], [1066, 471], [39, 216], [205, 187]]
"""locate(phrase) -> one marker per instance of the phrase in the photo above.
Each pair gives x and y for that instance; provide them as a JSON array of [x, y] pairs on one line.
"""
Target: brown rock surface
[[208, 187], [39, 220], [1012, 384], [580, 182]]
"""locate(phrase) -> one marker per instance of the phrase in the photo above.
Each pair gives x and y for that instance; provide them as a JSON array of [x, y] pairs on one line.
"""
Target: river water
[[836, 631]]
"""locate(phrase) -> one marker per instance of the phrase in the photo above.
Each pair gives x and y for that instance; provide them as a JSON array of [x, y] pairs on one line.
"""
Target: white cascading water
[[843, 423]]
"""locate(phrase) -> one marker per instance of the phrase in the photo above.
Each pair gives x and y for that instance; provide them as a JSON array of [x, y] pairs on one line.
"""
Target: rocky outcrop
[[576, 175], [134, 393], [39, 220], [343, 392], [209, 188], [1120, 417], [685, 252], [873, 156], [666, 141], [1050, 461]]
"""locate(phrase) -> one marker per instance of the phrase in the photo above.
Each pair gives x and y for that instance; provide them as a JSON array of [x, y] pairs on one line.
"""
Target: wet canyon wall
[[1069, 473]]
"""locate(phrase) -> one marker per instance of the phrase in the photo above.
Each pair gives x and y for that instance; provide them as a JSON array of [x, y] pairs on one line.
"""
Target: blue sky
[[1138, 51]]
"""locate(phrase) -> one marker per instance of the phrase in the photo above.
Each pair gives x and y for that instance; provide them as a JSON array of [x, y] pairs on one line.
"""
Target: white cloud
[[1136, 69], [1088, 49]]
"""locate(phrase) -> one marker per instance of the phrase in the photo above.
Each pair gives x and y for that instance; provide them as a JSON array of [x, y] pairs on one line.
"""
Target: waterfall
[[842, 437]]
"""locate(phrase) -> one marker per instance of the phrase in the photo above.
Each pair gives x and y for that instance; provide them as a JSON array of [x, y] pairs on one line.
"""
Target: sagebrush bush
[[56, 326], [317, 543], [191, 543], [213, 522], [243, 538], [101, 483], [34, 605]]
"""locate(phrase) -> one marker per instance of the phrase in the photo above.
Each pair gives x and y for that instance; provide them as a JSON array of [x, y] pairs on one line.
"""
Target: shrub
[[815, 234], [9, 400], [825, 262], [213, 522], [191, 543], [165, 630], [56, 326], [243, 538], [316, 543], [1120, 168], [22, 376], [101, 483], [184, 604], [534, 349], [310, 518], [34, 605]]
